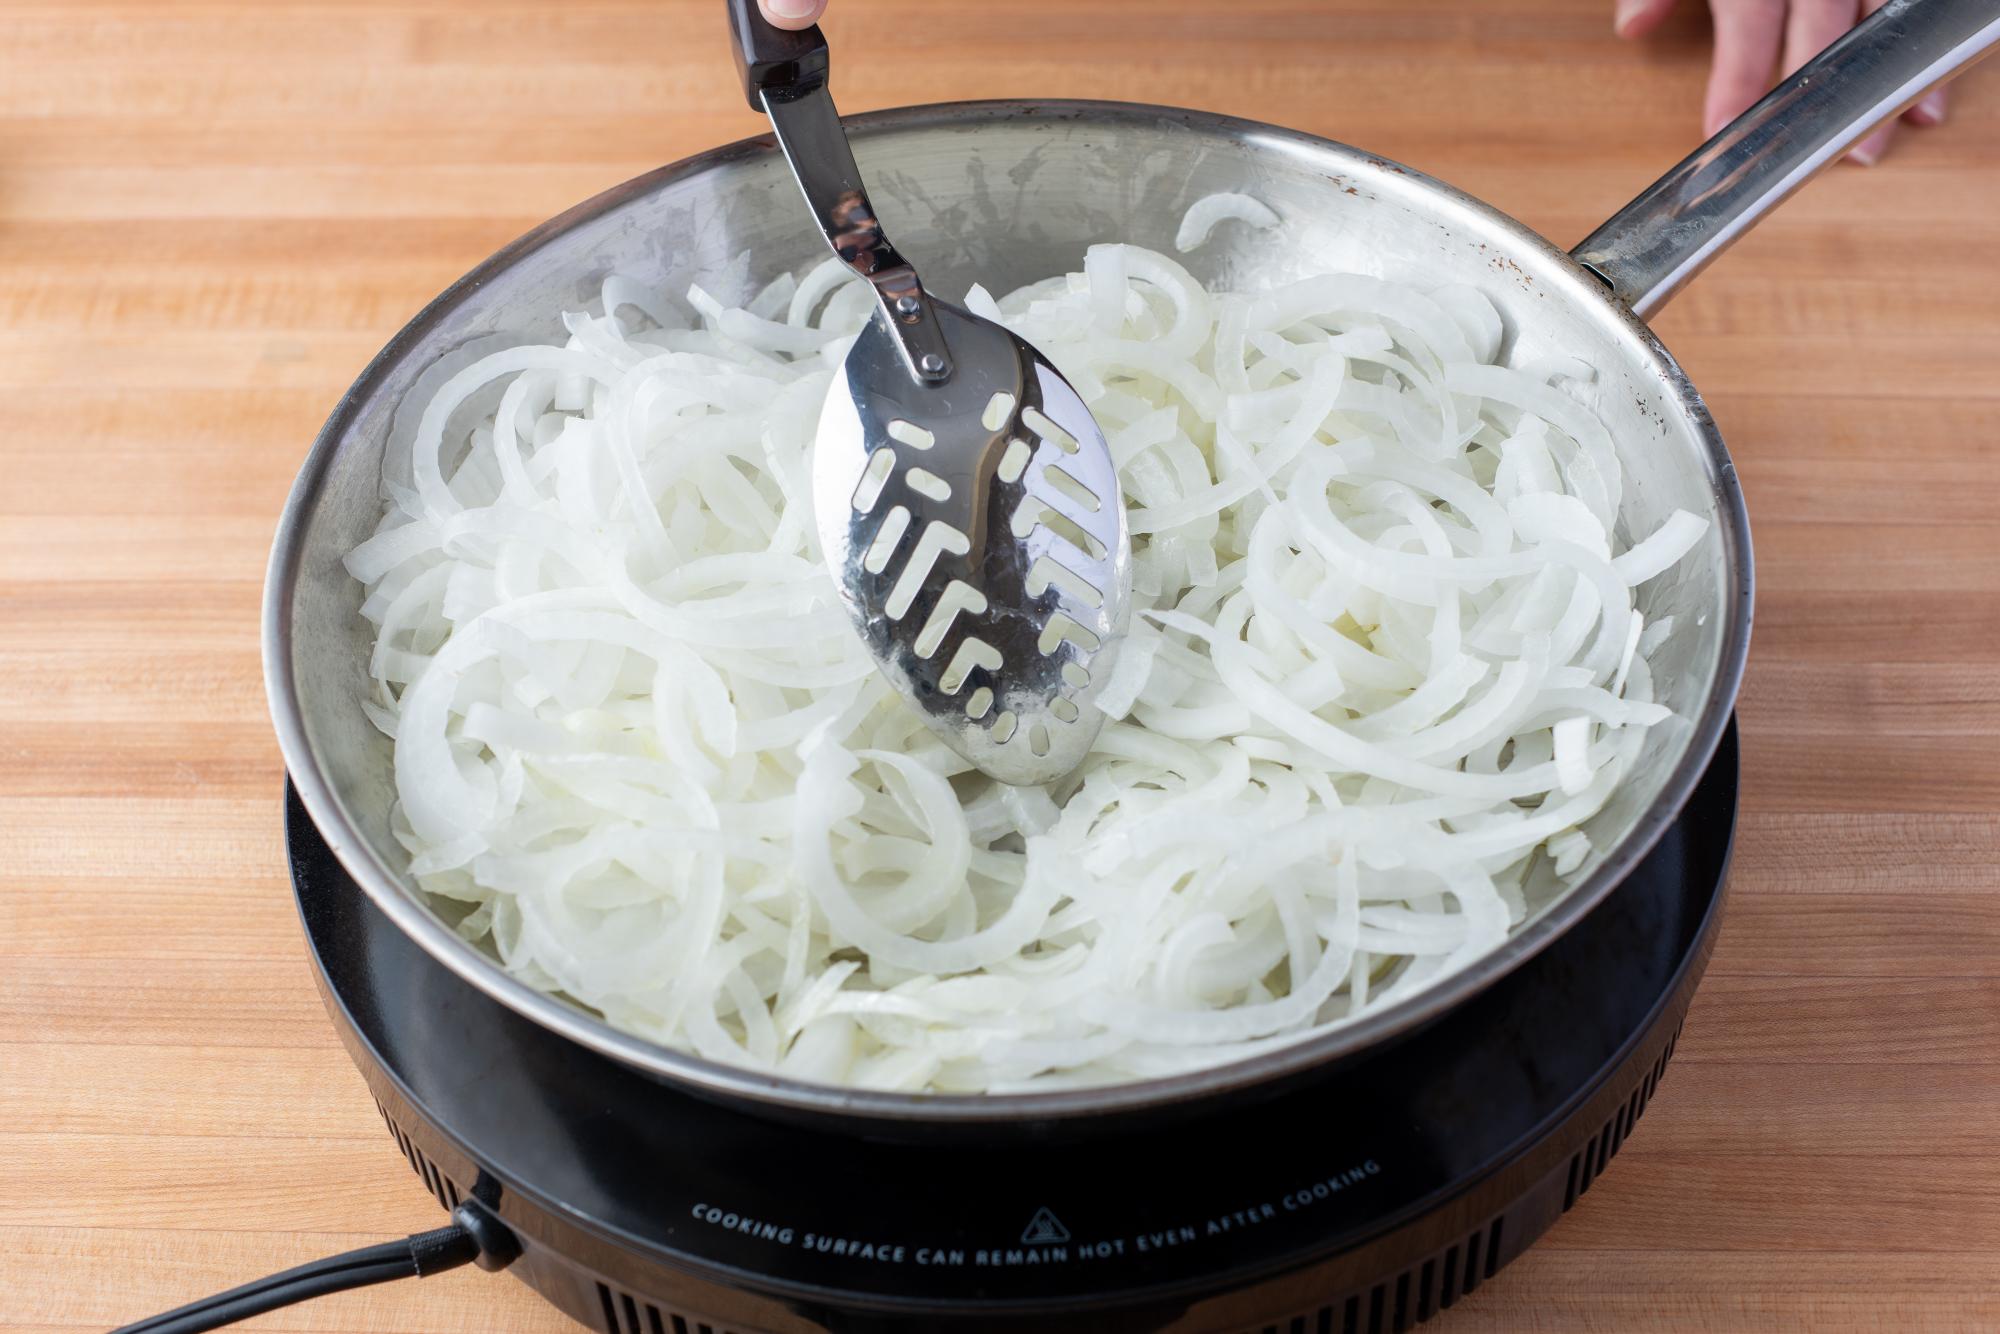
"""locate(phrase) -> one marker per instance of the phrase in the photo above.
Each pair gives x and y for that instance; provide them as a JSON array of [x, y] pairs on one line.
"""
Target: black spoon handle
[[770, 57]]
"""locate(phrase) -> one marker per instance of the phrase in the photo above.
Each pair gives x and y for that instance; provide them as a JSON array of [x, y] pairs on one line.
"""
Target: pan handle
[[1650, 248]]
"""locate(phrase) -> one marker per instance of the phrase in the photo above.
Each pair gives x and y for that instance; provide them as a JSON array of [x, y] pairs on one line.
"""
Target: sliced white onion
[[1205, 214], [1662, 549], [1384, 655]]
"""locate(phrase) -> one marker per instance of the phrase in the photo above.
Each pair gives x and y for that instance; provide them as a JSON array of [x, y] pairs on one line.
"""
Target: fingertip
[[1636, 18], [1870, 150], [792, 14], [1930, 111]]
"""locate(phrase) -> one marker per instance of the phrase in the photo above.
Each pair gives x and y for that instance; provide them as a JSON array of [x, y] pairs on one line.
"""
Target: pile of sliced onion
[[1384, 662]]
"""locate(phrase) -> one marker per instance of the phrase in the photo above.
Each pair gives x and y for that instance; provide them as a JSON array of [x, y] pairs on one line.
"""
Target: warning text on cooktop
[[1045, 1239]]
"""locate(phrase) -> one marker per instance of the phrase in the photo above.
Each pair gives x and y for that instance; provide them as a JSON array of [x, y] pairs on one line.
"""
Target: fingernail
[[790, 9], [1869, 151], [1625, 13], [1931, 110]]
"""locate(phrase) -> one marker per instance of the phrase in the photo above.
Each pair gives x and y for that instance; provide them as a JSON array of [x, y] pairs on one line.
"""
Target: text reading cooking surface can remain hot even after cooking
[[1045, 1240]]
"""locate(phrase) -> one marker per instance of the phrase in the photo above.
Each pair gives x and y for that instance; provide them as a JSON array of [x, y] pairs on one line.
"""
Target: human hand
[[792, 13], [1750, 37]]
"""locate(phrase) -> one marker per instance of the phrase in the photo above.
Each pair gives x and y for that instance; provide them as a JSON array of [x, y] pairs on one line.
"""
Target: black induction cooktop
[[1364, 1200]]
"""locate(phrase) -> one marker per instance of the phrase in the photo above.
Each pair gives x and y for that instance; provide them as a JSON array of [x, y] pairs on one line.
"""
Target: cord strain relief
[[494, 1243], [445, 1248]]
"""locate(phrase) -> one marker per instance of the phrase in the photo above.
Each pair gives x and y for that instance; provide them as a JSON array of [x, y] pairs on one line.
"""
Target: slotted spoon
[[967, 503]]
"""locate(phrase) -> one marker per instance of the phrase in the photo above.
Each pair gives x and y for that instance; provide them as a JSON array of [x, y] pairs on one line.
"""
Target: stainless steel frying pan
[[1007, 192]]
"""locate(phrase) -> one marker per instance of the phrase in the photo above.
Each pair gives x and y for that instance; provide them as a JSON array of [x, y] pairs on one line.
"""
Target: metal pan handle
[[1649, 249]]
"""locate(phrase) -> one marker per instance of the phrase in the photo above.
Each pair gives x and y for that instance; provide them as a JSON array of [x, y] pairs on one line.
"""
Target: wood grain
[[212, 214]]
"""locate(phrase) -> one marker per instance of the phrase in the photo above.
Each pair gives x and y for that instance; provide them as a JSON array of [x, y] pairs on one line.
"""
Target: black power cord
[[475, 1235]]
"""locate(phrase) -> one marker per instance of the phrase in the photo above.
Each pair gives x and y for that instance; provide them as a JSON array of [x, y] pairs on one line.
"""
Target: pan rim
[[359, 858]]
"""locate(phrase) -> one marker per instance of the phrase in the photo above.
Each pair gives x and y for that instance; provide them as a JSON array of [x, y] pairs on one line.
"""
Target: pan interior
[[1005, 194]]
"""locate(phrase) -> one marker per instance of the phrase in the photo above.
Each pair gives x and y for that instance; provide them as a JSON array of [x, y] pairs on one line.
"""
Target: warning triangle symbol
[[1044, 1228]]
